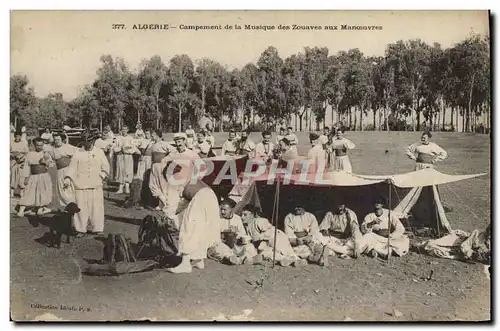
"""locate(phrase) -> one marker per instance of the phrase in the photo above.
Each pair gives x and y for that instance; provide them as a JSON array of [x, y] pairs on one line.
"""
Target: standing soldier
[[230, 146], [246, 145], [125, 148], [339, 148], [426, 153], [86, 173], [292, 138], [316, 154], [324, 137], [18, 151], [157, 182], [38, 192], [202, 146], [62, 153], [281, 135], [265, 148]]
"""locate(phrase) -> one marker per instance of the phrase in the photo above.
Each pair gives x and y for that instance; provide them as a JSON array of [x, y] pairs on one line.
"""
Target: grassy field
[[361, 290]]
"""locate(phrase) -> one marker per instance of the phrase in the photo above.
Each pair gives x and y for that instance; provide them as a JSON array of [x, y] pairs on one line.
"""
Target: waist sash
[[156, 157], [301, 234], [147, 151], [382, 232], [425, 158], [340, 151], [63, 162], [37, 169], [338, 234]]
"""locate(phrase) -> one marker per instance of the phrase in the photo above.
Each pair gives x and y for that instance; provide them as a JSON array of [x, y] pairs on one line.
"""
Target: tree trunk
[[355, 118], [443, 109], [332, 116], [487, 116], [470, 101], [203, 92], [386, 119], [350, 118], [221, 128], [180, 118], [361, 118], [252, 117], [242, 122], [374, 119], [310, 119], [100, 122], [380, 114], [413, 111], [417, 115], [452, 123], [463, 121], [296, 121], [300, 121], [158, 110]]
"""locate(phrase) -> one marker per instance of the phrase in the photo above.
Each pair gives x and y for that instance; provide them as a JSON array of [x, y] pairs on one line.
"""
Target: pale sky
[[60, 51]]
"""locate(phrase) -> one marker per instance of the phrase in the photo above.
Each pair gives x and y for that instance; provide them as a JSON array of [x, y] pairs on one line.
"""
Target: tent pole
[[437, 214], [276, 207], [389, 224]]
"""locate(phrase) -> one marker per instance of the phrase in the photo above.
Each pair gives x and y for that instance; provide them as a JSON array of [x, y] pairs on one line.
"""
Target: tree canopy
[[413, 82]]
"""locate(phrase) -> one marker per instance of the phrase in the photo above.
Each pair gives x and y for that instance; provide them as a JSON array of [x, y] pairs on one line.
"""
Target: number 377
[[118, 26]]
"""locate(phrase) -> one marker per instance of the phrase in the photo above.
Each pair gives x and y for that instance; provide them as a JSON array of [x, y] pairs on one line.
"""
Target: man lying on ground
[[262, 234], [343, 230], [302, 230], [235, 246], [377, 232], [460, 245]]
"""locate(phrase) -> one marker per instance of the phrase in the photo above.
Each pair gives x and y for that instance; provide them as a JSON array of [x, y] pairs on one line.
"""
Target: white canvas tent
[[414, 192]]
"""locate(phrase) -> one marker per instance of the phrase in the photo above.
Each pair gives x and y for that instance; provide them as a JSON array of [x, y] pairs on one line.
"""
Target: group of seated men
[[250, 239]]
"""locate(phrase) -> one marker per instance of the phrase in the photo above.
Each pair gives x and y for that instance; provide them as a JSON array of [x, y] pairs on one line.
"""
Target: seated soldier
[[378, 234], [303, 233], [235, 246], [343, 229], [262, 234]]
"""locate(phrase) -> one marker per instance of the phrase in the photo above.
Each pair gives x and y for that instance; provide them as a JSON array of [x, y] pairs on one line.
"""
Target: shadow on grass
[[133, 221]]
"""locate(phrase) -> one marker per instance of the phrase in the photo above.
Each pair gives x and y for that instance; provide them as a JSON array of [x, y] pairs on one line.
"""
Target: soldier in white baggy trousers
[[88, 169]]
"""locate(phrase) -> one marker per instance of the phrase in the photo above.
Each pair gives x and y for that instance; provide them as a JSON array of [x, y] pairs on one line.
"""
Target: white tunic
[[323, 140], [88, 169], [229, 147], [317, 157], [202, 148], [264, 150], [247, 146], [175, 184], [398, 241], [302, 223], [125, 144], [234, 221], [426, 153], [340, 223]]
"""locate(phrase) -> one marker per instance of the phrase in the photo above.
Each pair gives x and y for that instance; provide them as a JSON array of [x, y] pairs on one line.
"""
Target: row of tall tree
[[412, 83]]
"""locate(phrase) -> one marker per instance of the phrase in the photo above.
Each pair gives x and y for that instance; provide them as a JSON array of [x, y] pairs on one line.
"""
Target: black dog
[[61, 225]]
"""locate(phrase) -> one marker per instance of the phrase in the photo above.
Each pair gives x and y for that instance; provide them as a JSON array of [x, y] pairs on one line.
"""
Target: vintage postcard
[[250, 166]]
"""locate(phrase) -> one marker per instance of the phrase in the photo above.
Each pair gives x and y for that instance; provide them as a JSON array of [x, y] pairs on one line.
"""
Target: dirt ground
[[47, 282]]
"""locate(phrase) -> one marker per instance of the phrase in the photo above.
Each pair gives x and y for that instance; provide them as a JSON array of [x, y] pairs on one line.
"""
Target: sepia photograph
[[238, 166]]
